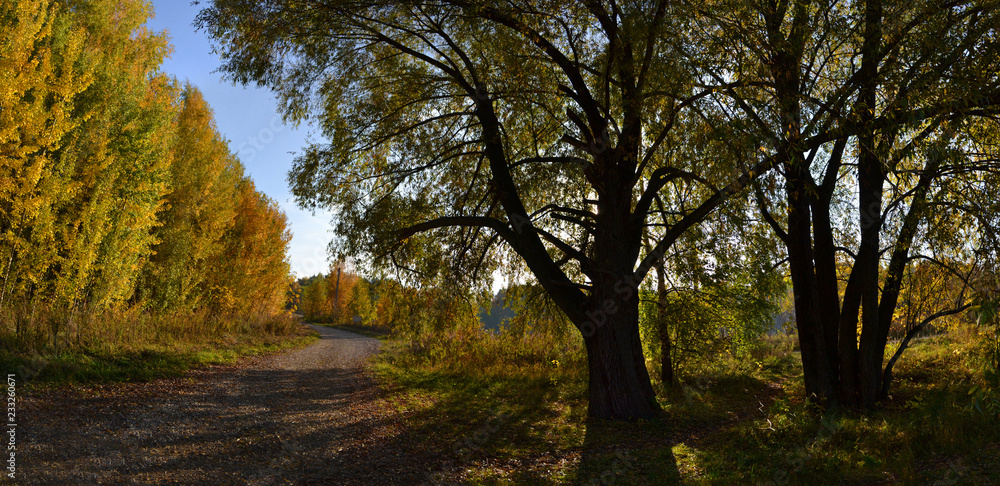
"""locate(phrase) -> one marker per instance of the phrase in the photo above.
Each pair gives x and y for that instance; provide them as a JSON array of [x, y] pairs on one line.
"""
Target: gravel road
[[309, 416]]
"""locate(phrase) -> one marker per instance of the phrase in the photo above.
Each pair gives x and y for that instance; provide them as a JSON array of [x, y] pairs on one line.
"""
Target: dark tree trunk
[[848, 342], [618, 380], [818, 364], [666, 364], [871, 348], [819, 372]]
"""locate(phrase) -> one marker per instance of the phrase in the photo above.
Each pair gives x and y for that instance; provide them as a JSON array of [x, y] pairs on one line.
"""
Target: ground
[[310, 416], [317, 415]]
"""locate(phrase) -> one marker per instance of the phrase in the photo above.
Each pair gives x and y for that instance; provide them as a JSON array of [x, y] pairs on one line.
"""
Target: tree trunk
[[818, 366], [871, 347], [618, 380], [666, 364]]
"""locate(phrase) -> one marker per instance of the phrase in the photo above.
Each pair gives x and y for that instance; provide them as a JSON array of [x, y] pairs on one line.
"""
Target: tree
[[85, 140], [360, 303], [464, 134], [393, 304], [253, 265], [713, 292], [198, 210], [872, 109], [43, 71], [314, 299]]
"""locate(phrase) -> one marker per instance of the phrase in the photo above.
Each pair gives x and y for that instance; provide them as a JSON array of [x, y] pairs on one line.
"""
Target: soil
[[309, 416]]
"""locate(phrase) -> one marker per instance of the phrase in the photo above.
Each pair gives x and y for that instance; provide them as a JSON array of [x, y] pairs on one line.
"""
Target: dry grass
[[51, 343]]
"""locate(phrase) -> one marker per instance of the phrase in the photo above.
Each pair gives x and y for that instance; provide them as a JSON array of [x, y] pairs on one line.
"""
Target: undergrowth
[[728, 421], [49, 344]]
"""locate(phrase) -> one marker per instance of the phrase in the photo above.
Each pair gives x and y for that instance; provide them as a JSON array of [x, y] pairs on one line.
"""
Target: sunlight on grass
[[128, 344], [725, 424]]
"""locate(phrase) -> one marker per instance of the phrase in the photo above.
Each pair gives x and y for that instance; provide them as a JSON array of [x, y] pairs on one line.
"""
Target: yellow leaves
[[92, 139]]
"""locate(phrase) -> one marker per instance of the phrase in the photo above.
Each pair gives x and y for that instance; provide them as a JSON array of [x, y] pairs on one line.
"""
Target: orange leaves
[[253, 262]]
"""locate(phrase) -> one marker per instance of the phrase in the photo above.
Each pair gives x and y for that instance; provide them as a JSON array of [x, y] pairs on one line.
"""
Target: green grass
[[725, 425], [145, 363], [130, 345]]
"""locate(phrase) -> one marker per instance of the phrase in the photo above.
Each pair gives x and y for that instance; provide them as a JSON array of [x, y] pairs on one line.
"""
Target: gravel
[[310, 416]]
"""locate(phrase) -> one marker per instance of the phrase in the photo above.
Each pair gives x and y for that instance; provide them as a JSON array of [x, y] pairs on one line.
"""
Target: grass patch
[[49, 348], [527, 424], [142, 363]]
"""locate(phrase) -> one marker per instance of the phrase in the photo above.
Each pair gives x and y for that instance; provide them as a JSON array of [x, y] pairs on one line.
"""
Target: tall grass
[[505, 353], [62, 343], [734, 420]]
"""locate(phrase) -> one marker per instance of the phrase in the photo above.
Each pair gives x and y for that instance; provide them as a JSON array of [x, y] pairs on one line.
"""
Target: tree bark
[[666, 364], [619, 384]]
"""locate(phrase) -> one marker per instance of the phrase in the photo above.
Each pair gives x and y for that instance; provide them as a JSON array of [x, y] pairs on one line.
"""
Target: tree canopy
[[116, 188], [555, 136]]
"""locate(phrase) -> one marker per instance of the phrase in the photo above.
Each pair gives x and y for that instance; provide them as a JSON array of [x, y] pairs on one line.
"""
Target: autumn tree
[[360, 303], [466, 134], [871, 109], [393, 304], [198, 210], [249, 276], [115, 186], [315, 304], [43, 71], [85, 149]]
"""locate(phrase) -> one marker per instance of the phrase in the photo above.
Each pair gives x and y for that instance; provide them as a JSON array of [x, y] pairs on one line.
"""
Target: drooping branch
[[699, 214], [496, 225]]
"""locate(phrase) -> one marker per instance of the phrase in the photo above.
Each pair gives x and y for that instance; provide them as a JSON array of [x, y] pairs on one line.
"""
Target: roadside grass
[[496, 417], [51, 348]]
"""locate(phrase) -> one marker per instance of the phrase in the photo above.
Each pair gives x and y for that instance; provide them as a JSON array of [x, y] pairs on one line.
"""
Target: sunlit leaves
[[103, 166]]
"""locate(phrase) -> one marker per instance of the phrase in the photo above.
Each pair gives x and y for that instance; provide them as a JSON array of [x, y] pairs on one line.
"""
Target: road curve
[[308, 416]]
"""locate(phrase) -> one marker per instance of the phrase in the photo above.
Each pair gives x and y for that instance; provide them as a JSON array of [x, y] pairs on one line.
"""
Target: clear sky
[[248, 118]]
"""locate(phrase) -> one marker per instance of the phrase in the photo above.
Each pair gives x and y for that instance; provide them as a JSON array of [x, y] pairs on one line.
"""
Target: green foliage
[[535, 313], [360, 303]]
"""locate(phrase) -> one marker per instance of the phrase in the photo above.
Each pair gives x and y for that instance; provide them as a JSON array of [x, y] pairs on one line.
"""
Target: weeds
[[59, 344], [728, 422]]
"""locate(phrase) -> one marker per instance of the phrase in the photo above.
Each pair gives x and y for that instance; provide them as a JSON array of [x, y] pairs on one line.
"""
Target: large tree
[[197, 212], [466, 133], [879, 113]]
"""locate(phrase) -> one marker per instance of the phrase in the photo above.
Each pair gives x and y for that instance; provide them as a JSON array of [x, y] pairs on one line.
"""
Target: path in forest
[[308, 416]]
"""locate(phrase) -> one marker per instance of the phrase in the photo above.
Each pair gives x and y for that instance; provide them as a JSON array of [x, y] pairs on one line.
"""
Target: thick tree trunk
[[619, 382], [818, 365]]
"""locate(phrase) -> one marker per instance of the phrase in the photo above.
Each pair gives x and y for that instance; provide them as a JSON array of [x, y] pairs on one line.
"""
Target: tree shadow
[[632, 452]]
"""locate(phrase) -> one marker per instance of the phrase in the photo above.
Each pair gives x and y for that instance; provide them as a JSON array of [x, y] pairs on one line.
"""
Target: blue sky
[[248, 118]]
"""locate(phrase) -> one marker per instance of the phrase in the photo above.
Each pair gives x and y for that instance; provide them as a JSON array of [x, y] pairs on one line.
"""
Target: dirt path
[[310, 416]]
